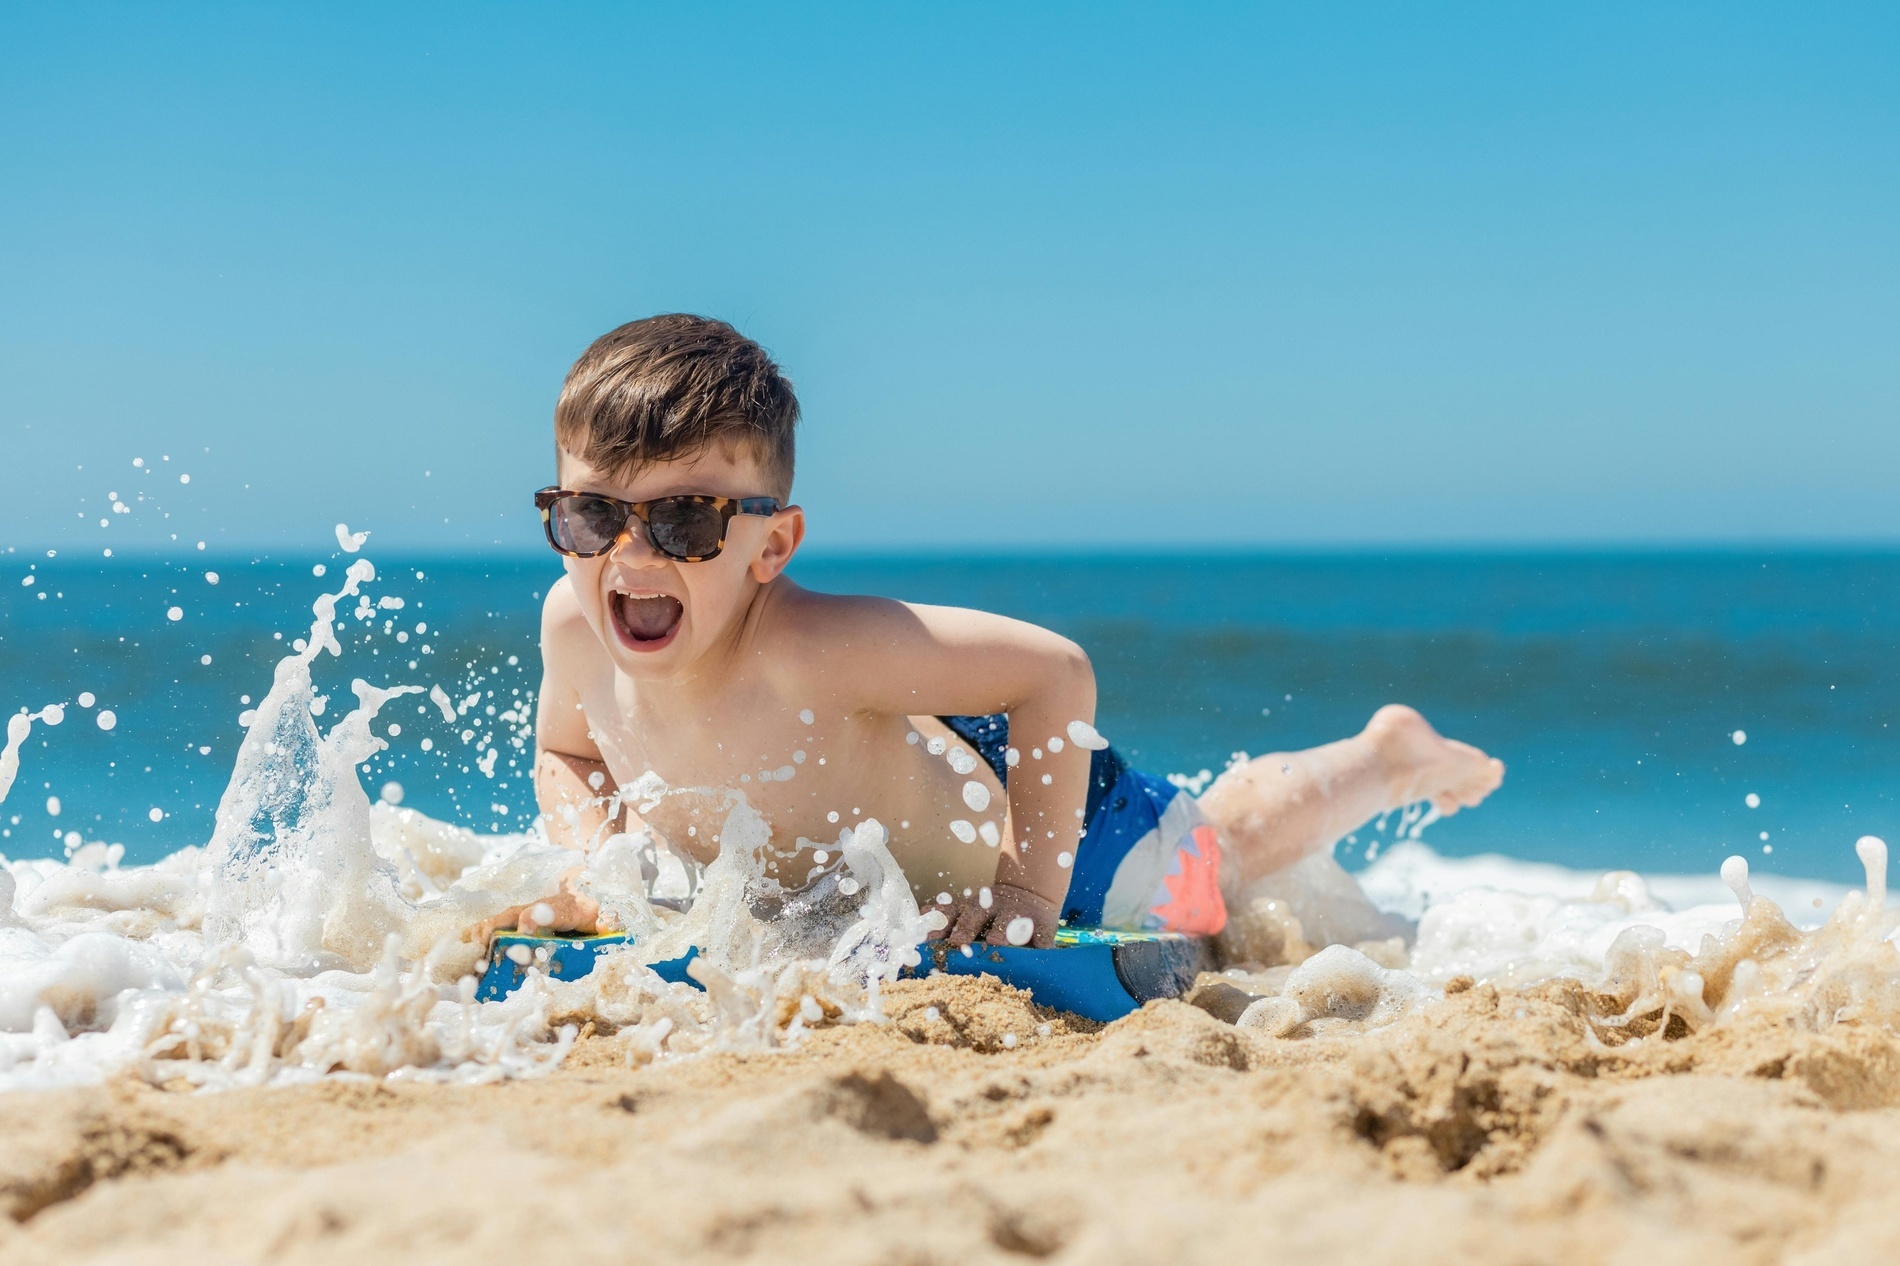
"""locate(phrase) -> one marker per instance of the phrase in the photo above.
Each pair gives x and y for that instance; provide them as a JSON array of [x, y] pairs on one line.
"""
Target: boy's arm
[[893, 657], [572, 784]]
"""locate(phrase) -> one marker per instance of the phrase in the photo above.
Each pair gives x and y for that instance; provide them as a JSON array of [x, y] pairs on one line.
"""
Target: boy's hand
[[568, 910], [972, 920]]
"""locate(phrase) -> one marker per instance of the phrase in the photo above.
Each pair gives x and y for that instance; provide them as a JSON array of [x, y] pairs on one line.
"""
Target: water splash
[[19, 725], [293, 876]]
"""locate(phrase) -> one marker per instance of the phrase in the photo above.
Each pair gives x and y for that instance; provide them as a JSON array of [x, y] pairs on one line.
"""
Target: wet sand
[[1489, 1127]]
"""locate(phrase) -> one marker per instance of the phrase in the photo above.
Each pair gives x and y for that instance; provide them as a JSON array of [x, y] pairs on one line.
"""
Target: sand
[[1491, 1126]]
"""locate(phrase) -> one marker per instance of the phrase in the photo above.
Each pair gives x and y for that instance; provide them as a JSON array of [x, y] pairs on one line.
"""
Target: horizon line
[[516, 555]]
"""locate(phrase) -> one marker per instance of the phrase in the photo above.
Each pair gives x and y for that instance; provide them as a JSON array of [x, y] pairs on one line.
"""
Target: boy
[[676, 644]]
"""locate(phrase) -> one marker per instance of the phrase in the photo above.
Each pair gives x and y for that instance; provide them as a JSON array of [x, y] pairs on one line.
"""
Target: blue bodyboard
[[1096, 973]]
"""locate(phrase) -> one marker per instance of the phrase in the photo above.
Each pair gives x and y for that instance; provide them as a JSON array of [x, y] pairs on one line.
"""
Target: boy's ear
[[782, 538]]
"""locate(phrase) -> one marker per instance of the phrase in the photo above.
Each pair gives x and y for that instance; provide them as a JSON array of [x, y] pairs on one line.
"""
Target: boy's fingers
[[998, 931], [969, 922], [1044, 937]]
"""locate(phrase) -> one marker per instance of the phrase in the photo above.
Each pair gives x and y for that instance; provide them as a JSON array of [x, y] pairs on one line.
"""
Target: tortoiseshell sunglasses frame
[[728, 507]]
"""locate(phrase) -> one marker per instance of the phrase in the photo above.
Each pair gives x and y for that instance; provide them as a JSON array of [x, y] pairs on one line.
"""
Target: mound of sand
[[1493, 1126]]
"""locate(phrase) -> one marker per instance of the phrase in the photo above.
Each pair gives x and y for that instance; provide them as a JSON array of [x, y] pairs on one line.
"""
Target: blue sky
[[1049, 275]]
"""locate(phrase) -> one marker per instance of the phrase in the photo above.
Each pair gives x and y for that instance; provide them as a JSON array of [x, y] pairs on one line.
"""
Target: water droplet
[[1086, 737]]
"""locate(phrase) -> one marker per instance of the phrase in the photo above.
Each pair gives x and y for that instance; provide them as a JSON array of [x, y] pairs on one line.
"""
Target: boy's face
[[658, 617]]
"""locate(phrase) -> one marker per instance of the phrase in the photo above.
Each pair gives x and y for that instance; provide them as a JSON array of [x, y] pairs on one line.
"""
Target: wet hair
[[672, 386]]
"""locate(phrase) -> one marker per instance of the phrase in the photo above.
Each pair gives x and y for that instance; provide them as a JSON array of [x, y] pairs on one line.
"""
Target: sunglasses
[[688, 529]]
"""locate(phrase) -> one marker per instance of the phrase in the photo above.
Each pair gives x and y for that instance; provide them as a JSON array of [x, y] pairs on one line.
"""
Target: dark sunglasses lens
[[685, 529], [586, 525]]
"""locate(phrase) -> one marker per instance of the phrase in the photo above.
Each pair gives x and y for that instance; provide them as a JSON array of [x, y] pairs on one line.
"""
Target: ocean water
[[1612, 685]]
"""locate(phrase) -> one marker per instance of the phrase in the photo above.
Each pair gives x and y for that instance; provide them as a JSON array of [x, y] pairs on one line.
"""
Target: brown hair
[[671, 386]]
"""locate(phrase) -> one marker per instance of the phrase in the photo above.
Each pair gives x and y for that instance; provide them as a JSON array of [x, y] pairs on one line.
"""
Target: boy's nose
[[633, 548]]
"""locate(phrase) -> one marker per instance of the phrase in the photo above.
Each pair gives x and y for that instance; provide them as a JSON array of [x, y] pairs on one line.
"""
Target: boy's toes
[[1472, 790], [1489, 779]]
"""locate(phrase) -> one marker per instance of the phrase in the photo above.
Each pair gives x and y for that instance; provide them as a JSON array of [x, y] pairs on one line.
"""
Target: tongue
[[650, 619]]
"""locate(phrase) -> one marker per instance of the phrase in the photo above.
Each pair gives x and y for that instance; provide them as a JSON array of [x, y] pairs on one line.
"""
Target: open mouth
[[646, 621]]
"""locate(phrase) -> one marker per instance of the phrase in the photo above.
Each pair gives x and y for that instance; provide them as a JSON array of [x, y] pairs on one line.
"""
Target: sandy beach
[[1489, 1127]]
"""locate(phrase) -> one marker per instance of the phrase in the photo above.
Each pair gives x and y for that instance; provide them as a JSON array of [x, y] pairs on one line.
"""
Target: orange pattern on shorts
[[1194, 903]]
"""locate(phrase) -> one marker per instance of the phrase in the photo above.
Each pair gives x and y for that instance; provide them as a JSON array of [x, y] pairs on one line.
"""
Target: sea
[[1657, 710]]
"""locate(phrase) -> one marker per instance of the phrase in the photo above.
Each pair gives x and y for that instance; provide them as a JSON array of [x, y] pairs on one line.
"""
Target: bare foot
[[1425, 765]]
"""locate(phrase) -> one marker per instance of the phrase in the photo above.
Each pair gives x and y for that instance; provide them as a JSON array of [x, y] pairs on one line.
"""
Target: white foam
[[1515, 922], [1337, 990]]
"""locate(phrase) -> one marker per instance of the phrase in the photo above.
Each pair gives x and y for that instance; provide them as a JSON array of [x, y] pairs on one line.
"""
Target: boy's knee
[[1073, 663]]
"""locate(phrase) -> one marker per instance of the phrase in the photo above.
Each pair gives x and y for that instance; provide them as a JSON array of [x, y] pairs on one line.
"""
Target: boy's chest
[[789, 763]]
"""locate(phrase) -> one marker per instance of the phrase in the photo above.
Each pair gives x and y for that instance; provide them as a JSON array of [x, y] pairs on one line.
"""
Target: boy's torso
[[809, 770]]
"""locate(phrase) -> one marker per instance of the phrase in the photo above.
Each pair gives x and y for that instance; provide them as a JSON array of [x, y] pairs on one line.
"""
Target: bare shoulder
[[561, 606], [808, 626], [564, 631], [886, 655], [570, 654], [862, 623]]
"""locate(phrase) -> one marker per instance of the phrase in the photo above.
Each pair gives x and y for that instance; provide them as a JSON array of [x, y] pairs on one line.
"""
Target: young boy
[[676, 644]]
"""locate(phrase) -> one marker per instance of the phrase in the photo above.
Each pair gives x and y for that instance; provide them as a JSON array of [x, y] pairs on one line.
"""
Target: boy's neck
[[712, 675]]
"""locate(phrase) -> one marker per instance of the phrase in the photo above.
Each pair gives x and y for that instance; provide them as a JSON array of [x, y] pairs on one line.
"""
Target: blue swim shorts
[[1149, 859]]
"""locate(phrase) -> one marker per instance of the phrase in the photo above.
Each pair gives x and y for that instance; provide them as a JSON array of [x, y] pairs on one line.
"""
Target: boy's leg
[[1276, 809]]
